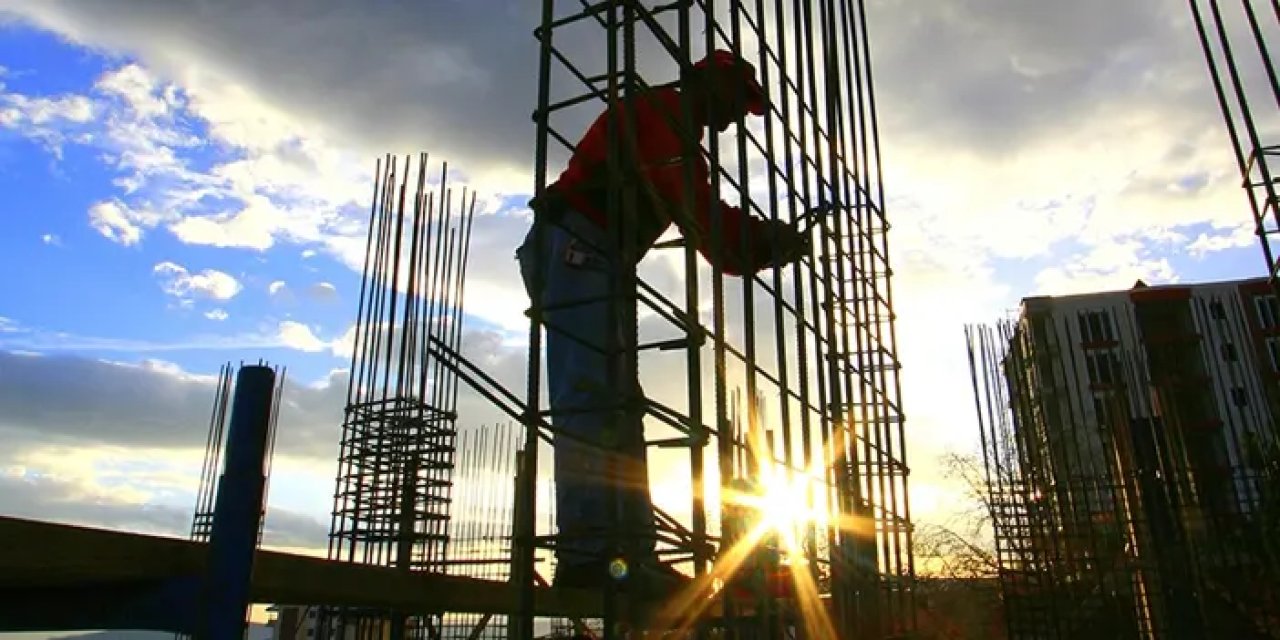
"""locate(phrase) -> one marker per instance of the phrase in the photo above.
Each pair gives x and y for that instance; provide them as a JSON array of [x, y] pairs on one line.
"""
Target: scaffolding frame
[[790, 372], [843, 417], [1248, 95]]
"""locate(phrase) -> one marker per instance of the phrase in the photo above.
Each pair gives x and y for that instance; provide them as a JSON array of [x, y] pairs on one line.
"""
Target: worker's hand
[[785, 243]]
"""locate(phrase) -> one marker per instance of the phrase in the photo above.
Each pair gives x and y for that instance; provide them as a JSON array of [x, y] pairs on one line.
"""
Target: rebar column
[[395, 465], [813, 339]]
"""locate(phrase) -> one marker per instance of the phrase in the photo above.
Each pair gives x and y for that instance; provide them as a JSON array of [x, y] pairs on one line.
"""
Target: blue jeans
[[590, 503]]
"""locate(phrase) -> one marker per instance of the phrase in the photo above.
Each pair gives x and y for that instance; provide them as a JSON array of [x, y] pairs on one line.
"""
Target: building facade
[[1131, 482], [293, 622]]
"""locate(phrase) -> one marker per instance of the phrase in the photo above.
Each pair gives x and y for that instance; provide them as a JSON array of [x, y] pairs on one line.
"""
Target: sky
[[184, 186]]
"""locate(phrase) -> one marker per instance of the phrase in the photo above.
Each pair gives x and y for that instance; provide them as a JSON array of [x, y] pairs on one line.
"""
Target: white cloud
[[167, 368], [19, 110], [114, 221], [296, 335], [51, 239], [1235, 237], [142, 488], [148, 404], [345, 345], [217, 315], [1112, 266], [138, 88], [269, 178], [209, 283], [249, 228], [323, 291], [124, 451], [15, 339]]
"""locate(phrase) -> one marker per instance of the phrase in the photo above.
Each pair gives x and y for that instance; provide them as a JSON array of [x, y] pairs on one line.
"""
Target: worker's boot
[[661, 579], [591, 574], [653, 591]]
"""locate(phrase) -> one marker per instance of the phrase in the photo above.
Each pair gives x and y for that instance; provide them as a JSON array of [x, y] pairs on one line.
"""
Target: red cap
[[728, 61]]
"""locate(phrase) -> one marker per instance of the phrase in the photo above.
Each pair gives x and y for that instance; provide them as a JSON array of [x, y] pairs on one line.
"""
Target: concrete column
[[237, 514]]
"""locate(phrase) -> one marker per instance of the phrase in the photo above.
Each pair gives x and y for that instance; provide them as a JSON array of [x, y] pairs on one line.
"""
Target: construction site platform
[[60, 577]]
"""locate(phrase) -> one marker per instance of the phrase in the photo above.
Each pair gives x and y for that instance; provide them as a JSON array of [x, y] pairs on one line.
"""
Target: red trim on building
[[1172, 337], [1207, 424], [1254, 287], [1170, 294], [1215, 471], [1180, 379], [1249, 293], [1100, 344]]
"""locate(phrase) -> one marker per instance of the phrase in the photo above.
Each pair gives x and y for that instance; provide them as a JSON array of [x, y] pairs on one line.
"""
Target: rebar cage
[[396, 456], [1130, 450], [811, 345], [1238, 45]]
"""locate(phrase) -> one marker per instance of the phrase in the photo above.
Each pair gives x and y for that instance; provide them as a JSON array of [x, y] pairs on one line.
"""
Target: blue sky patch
[[81, 290]]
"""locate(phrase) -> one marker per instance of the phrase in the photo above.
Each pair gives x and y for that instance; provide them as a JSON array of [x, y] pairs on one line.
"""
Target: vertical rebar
[[395, 466], [1239, 103]]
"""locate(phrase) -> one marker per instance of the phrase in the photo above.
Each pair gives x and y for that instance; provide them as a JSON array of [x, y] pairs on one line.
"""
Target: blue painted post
[[237, 512]]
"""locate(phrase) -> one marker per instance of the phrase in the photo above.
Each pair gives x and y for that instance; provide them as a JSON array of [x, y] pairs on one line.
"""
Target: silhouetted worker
[[575, 263]]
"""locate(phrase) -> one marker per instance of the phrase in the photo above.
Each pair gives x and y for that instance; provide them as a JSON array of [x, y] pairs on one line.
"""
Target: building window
[[1268, 311], [1102, 409], [1103, 367], [1217, 311], [1273, 352], [1239, 397], [1095, 326], [1229, 353]]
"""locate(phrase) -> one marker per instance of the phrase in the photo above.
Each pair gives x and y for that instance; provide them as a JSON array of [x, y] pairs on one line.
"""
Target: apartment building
[[1187, 372], [1140, 426]]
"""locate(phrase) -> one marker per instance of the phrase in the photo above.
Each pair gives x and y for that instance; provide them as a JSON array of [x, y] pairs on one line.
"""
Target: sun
[[773, 511], [785, 504], [766, 520]]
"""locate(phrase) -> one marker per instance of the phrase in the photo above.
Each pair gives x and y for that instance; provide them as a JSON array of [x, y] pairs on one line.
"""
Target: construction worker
[[575, 267]]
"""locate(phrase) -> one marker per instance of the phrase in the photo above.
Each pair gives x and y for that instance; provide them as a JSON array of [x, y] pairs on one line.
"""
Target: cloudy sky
[[184, 185]]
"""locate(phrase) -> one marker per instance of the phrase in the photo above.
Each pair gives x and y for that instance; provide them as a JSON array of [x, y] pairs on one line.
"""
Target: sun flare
[[773, 521]]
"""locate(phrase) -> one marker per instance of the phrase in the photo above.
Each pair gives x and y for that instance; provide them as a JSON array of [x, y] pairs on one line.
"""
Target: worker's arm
[[747, 244], [744, 245]]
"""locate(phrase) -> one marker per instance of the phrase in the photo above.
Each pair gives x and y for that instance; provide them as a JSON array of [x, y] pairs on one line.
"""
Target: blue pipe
[[237, 512]]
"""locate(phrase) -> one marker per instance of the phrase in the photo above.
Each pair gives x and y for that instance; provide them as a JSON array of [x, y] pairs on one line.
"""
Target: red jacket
[[656, 113]]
